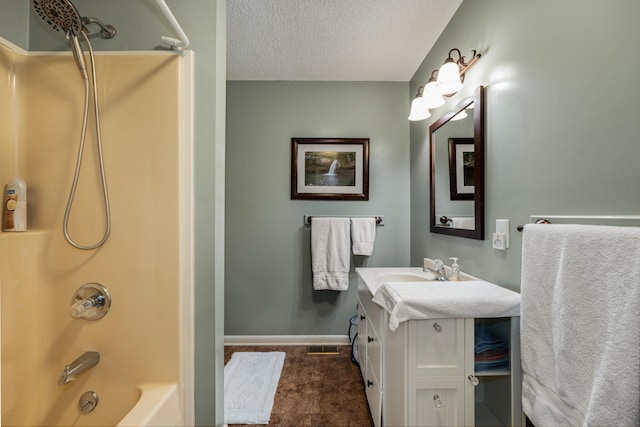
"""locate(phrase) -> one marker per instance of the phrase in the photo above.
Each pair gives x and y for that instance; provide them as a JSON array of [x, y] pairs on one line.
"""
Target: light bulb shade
[[449, 78], [431, 97], [419, 110]]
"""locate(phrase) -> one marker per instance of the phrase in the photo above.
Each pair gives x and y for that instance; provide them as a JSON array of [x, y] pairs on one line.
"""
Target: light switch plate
[[502, 227]]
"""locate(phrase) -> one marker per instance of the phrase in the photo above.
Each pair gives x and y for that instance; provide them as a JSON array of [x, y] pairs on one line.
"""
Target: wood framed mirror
[[456, 160]]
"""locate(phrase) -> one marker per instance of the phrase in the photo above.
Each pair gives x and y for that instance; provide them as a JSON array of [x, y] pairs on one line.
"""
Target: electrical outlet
[[502, 227]]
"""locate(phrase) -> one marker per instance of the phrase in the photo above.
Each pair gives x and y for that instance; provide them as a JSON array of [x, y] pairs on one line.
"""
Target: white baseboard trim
[[286, 340]]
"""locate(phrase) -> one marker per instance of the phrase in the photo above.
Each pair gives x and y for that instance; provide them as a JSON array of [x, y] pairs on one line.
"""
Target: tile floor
[[316, 390]]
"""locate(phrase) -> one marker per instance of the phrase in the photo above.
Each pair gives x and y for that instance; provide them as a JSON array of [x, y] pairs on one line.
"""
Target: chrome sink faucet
[[88, 360], [439, 270]]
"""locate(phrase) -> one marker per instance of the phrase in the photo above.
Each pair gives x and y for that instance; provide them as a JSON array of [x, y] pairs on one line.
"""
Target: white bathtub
[[158, 405]]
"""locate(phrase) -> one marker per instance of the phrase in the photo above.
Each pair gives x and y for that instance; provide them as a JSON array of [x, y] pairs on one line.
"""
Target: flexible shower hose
[[79, 161]]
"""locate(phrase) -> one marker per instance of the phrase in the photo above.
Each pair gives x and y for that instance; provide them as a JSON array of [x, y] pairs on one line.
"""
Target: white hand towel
[[330, 256], [363, 235], [580, 325], [435, 300]]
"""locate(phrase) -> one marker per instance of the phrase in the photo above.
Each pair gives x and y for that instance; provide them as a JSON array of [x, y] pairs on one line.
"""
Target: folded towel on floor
[[363, 235], [434, 300], [580, 325], [330, 254]]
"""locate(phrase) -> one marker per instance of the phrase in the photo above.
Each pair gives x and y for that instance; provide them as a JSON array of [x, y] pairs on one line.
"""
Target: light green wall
[[139, 26], [14, 22], [268, 263], [562, 108]]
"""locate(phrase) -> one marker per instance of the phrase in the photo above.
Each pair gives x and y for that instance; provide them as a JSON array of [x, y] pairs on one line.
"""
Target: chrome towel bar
[[379, 218], [624, 220]]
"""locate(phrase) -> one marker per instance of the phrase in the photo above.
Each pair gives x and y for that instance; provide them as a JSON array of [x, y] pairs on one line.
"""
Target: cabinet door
[[362, 339], [374, 313], [374, 396], [436, 402], [436, 347], [374, 354]]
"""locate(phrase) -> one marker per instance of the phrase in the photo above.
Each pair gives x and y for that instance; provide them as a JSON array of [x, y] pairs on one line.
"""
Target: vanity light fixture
[[419, 109], [449, 81], [433, 97], [451, 73]]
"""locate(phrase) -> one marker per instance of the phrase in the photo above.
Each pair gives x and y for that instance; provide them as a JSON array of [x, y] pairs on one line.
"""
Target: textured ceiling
[[348, 40]]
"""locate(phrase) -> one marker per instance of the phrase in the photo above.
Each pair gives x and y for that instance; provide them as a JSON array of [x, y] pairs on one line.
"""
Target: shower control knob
[[90, 302]]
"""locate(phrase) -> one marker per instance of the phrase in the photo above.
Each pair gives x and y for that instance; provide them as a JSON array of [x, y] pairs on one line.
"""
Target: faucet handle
[[90, 302], [438, 264]]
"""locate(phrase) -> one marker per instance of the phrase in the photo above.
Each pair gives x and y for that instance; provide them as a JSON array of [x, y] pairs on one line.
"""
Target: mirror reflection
[[457, 170]]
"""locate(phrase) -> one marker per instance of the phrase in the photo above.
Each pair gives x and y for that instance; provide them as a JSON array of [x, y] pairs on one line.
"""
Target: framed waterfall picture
[[330, 168]]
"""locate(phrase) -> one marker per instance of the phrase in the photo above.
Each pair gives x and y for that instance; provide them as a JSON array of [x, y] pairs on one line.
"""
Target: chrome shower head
[[61, 15]]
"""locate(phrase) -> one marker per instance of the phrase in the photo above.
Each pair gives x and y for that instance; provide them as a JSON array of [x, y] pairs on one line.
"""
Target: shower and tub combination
[[96, 297]]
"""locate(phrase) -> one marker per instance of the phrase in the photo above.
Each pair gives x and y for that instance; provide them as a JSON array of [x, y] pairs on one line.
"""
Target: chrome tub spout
[[78, 366]]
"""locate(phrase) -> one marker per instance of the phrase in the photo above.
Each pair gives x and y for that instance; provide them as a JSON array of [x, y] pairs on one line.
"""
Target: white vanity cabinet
[[370, 355], [422, 374]]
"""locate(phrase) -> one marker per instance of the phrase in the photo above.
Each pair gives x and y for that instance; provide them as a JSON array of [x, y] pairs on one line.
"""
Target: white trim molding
[[255, 340]]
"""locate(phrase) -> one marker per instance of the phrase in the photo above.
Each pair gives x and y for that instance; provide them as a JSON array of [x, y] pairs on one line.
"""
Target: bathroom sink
[[408, 276], [374, 277]]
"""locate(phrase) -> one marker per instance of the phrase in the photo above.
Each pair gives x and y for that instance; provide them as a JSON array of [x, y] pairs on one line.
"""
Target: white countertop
[[408, 293]]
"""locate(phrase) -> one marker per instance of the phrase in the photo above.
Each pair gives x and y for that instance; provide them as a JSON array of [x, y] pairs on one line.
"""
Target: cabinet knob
[[369, 383], [362, 317], [370, 339], [436, 401], [437, 327], [474, 380]]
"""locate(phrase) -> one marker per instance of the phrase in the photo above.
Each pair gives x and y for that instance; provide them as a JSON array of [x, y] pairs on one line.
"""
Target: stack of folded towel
[[330, 257], [490, 350]]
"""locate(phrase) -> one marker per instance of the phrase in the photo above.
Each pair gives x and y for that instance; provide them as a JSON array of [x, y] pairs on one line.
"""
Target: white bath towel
[[436, 300], [580, 325], [363, 235], [330, 254]]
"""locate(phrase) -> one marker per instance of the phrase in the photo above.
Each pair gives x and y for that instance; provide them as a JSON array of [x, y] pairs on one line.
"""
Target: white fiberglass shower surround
[[138, 358]]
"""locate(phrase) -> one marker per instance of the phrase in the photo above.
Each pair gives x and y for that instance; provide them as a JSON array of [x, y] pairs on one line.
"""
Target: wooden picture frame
[[330, 168], [461, 168]]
